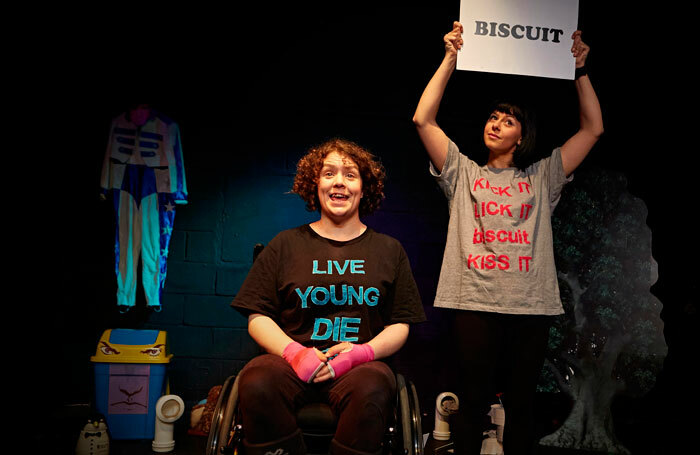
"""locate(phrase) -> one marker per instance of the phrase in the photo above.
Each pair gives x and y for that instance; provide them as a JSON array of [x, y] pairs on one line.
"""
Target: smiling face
[[502, 133], [339, 188]]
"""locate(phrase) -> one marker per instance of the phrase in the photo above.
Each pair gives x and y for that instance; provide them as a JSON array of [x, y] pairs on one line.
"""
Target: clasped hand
[[312, 365]]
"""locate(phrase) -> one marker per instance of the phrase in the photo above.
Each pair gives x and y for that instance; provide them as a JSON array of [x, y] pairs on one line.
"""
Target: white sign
[[527, 37]]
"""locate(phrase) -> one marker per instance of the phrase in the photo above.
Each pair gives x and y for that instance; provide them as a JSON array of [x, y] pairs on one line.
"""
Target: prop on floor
[[203, 412], [440, 441], [93, 439], [169, 408], [493, 443], [130, 377]]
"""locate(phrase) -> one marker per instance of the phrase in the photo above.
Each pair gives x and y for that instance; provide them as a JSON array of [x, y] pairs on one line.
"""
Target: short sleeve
[[556, 177], [447, 179], [258, 294], [407, 305]]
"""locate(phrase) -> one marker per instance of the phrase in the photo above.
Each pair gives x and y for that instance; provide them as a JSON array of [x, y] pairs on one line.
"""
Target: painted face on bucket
[[339, 188], [503, 132]]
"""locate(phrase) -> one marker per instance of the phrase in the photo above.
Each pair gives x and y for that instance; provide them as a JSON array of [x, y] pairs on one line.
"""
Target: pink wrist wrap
[[303, 360], [345, 361]]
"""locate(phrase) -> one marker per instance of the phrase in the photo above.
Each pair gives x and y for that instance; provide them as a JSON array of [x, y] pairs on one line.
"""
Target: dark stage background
[[252, 88]]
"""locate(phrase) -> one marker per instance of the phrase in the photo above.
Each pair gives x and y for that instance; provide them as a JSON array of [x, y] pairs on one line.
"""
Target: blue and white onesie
[[143, 170]]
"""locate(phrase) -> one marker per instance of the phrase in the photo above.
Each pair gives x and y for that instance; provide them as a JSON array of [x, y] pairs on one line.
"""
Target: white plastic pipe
[[446, 403], [169, 408]]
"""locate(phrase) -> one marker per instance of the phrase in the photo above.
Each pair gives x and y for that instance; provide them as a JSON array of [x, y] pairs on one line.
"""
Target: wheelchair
[[317, 423]]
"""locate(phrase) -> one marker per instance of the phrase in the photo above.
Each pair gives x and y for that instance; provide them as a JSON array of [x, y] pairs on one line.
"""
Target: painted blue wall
[[236, 203], [239, 196]]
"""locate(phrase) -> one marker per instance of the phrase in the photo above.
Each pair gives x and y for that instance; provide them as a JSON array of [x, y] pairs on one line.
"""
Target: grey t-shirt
[[498, 256]]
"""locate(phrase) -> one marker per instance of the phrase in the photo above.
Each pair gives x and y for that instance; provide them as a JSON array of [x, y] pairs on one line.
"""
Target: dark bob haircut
[[525, 151], [309, 173]]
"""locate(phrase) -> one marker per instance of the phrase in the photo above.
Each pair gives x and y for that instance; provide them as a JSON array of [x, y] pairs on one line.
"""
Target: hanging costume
[[143, 169]]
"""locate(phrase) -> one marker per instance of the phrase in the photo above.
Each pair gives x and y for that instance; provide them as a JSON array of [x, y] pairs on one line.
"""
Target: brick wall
[[238, 197]]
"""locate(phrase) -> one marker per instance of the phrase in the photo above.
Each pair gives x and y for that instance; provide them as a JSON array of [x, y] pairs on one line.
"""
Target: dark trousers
[[487, 343], [363, 399]]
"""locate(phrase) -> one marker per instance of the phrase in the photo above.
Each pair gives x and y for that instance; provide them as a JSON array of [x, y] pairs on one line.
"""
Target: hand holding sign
[[453, 40], [579, 49]]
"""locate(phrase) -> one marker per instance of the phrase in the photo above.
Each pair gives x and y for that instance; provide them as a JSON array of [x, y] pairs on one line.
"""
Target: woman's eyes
[[507, 121], [350, 175]]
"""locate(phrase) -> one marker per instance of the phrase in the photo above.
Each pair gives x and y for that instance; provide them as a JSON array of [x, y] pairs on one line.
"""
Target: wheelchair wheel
[[409, 417], [224, 421]]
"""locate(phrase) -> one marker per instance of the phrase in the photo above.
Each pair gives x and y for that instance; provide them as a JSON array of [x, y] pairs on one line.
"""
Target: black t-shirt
[[322, 292]]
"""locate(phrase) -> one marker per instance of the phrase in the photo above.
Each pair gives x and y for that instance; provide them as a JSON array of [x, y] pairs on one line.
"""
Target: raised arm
[[432, 136], [577, 147]]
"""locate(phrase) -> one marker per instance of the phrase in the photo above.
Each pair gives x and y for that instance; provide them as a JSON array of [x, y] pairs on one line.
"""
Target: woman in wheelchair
[[327, 301]]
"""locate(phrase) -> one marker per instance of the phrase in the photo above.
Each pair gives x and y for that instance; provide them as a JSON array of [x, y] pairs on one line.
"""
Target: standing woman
[[498, 266]]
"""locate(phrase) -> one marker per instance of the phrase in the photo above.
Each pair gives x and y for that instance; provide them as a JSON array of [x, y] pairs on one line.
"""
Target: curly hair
[[309, 172]]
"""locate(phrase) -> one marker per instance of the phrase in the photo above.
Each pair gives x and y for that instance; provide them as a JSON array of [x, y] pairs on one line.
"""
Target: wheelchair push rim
[[224, 418]]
